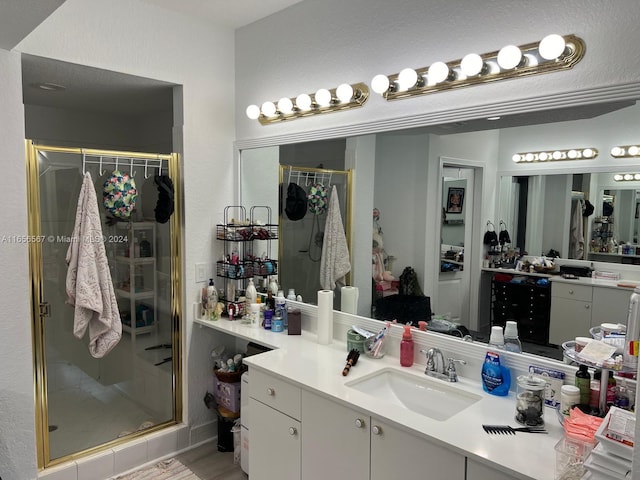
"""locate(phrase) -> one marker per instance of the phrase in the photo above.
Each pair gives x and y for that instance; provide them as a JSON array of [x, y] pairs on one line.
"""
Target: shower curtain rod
[[121, 160]]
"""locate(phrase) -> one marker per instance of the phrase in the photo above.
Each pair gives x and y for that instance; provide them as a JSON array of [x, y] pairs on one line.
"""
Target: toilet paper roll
[[325, 317], [349, 299]]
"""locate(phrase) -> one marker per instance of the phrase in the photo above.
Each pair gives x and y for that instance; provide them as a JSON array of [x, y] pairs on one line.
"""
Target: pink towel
[[88, 285]]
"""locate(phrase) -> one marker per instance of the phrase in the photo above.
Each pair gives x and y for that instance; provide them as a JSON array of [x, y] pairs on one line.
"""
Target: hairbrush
[[352, 359]]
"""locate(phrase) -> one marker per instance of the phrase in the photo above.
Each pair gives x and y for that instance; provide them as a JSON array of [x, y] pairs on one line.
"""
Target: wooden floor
[[209, 464]]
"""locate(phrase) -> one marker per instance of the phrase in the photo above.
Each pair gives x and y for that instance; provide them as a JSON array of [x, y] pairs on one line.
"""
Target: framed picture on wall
[[455, 199]]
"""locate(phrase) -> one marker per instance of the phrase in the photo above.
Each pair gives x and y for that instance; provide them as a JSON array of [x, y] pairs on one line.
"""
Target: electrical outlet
[[201, 272]]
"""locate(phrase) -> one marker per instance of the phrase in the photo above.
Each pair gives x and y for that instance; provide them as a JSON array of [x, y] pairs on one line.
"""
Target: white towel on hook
[[335, 262], [89, 286]]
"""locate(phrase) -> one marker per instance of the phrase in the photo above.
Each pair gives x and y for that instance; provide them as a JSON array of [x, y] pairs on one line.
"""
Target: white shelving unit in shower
[[136, 277]]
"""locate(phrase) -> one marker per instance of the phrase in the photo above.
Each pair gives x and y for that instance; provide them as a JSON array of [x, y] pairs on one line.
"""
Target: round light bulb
[[617, 151], [285, 105], [407, 78], [303, 102], [472, 64], [380, 84], [618, 177], [634, 150], [628, 176], [344, 92], [588, 153], [509, 57], [552, 46], [516, 157], [528, 157], [543, 156], [253, 112], [572, 154], [636, 176], [268, 109], [557, 155], [323, 97], [438, 72]]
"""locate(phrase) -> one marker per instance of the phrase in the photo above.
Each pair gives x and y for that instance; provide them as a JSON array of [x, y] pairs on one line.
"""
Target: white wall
[[326, 43], [17, 424], [135, 38]]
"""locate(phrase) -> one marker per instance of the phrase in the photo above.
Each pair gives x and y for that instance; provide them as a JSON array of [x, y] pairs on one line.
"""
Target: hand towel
[[334, 262], [89, 286]]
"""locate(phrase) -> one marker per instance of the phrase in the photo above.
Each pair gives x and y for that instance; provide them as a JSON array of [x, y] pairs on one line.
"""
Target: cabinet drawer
[[575, 292], [276, 393]]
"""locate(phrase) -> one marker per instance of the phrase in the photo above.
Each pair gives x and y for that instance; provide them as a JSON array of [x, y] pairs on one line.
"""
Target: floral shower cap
[[119, 194], [317, 199]]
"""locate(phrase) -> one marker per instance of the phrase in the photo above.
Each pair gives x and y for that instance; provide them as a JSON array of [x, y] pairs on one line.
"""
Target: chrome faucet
[[435, 361], [435, 365]]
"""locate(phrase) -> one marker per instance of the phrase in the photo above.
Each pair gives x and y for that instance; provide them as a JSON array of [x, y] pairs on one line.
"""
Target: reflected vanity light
[[626, 151], [553, 53], [627, 177], [343, 97], [556, 155]]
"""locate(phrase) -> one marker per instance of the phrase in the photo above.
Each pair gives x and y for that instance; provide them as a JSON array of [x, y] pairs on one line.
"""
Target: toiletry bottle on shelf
[[406, 347], [273, 286], [496, 378], [212, 301], [496, 339], [281, 307], [145, 246], [511, 340], [250, 293], [583, 382]]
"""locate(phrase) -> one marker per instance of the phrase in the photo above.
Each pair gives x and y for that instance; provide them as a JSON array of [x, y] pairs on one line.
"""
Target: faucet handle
[[451, 369], [430, 367]]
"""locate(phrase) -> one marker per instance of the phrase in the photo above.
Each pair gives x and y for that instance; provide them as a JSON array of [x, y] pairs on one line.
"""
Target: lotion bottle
[[406, 347]]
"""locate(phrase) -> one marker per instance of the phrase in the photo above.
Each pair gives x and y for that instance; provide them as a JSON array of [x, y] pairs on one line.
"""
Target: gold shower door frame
[[39, 314]]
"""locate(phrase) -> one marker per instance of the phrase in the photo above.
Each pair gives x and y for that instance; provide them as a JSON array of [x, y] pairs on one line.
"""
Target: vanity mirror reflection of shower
[[86, 402]]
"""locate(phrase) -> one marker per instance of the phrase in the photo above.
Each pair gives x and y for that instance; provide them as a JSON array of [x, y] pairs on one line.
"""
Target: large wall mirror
[[424, 205]]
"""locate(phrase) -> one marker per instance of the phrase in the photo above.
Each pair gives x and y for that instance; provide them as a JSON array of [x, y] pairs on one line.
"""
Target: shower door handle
[[45, 309]]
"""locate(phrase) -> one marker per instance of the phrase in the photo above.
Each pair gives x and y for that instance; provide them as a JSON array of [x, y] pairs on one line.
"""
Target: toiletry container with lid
[[406, 347]]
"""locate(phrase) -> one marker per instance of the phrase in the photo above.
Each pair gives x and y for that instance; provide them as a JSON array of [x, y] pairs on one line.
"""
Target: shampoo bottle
[[251, 294], [406, 347]]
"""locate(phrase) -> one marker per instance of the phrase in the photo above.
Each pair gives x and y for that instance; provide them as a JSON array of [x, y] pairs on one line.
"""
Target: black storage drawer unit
[[526, 302]]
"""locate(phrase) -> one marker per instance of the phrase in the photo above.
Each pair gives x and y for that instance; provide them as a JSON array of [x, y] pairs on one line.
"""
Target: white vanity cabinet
[[341, 442], [570, 311], [480, 471], [576, 308], [610, 305], [276, 430]]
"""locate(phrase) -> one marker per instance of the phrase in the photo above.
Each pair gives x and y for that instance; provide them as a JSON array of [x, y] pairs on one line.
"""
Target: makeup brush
[[352, 359]]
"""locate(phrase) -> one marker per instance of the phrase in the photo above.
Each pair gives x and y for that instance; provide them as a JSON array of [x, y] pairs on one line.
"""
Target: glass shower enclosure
[[85, 403]]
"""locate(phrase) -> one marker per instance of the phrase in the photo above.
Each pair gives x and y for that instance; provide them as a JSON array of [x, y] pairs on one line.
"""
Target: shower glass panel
[[89, 402]]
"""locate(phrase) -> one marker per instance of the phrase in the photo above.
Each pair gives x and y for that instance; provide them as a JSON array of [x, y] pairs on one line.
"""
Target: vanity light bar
[[554, 52], [627, 177], [556, 155], [626, 151], [343, 97]]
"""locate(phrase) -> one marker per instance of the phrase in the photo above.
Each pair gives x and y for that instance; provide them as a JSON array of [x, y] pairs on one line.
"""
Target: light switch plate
[[204, 271]]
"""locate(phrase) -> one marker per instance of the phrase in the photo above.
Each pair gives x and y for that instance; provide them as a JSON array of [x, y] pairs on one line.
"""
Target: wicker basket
[[230, 377]]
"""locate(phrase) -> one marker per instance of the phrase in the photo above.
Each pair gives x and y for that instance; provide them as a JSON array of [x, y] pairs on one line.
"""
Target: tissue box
[[554, 379]]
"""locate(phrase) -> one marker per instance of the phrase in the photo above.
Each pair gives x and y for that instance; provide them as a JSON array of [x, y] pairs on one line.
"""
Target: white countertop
[[318, 368], [589, 281]]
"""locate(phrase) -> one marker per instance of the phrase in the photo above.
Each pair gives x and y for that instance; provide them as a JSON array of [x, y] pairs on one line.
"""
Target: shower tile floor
[[84, 413]]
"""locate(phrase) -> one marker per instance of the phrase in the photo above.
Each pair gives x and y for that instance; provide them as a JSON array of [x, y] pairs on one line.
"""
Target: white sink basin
[[427, 396]]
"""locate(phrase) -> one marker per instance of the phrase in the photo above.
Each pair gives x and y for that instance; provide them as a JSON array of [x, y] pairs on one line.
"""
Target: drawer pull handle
[[376, 430], [359, 423], [271, 392], [571, 292], [587, 306], [293, 430]]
